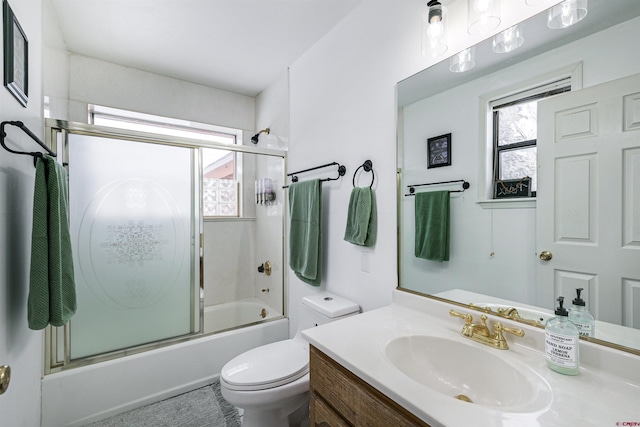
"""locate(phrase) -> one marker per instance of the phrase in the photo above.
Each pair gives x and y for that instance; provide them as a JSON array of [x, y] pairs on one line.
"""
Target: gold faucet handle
[[498, 327], [467, 317]]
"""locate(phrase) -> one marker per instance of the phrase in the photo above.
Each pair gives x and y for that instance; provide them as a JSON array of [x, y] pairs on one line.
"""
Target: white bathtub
[[82, 395], [237, 313]]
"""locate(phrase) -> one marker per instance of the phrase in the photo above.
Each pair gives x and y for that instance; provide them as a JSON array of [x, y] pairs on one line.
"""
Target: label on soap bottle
[[584, 329], [561, 350]]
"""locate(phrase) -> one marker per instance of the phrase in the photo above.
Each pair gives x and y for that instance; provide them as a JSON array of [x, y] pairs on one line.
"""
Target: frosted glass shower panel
[[131, 213]]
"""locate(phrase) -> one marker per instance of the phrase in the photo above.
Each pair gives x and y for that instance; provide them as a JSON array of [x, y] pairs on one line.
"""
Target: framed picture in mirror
[[439, 151], [16, 66]]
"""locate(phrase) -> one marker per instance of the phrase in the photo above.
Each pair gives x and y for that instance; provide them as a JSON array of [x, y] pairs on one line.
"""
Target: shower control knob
[[265, 268]]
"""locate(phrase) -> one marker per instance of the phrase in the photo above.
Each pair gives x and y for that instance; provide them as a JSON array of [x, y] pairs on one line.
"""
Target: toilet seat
[[268, 366]]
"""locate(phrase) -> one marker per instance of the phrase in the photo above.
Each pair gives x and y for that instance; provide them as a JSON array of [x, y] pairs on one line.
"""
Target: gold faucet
[[513, 312], [510, 312], [480, 331]]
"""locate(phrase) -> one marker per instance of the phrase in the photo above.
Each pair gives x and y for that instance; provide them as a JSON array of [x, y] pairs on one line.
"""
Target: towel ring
[[368, 167]]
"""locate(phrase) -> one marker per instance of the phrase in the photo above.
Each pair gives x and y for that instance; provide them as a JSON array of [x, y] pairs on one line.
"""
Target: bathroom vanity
[[339, 398], [408, 364]]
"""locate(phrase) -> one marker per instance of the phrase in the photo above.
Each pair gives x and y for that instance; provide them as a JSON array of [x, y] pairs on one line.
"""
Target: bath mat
[[203, 407]]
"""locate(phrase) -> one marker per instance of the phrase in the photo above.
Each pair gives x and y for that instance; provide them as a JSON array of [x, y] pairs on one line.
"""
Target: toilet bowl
[[271, 382]]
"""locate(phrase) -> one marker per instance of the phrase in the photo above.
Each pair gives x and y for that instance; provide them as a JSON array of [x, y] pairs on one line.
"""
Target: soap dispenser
[[581, 317], [561, 342]]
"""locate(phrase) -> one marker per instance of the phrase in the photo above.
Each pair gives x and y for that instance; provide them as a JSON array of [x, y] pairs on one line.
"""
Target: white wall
[[475, 231], [272, 111], [56, 59], [20, 347], [343, 109], [92, 81]]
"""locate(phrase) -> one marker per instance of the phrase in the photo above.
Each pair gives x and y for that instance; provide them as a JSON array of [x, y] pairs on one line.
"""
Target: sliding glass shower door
[[134, 222]]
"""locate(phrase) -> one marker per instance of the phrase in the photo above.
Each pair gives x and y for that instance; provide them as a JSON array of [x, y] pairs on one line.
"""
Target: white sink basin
[[469, 373]]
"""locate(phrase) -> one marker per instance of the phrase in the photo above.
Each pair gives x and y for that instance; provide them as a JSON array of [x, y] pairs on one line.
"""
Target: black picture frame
[[16, 56], [439, 151]]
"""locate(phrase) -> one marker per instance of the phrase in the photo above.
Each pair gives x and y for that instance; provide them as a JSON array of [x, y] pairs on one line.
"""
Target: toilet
[[271, 382]]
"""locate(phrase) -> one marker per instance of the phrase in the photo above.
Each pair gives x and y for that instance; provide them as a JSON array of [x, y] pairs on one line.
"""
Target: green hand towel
[[362, 224], [432, 225], [52, 296], [305, 233]]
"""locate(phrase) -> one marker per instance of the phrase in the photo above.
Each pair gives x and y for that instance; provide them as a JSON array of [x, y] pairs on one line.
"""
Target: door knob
[[5, 377], [546, 255]]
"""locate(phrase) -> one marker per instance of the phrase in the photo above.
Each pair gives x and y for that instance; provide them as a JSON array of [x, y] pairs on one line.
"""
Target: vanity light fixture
[[255, 138], [508, 40], [566, 14], [463, 61], [484, 16], [433, 30]]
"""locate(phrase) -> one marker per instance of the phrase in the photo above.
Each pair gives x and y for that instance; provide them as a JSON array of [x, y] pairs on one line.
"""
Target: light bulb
[[567, 13], [463, 61], [508, 40], [481, 6], [483, 16], [433, 31]]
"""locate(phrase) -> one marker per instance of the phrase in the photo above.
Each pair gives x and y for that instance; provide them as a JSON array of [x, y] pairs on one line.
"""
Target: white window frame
[[132, 120], [572, 72], [195, 130]]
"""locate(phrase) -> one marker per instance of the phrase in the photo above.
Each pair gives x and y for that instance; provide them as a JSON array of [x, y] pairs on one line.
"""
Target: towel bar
[[341, 171], [35, 154], [465, 186]]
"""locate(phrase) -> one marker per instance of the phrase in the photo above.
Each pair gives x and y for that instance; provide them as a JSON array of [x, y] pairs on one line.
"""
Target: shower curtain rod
[[465, 185], [341, 171], [26, 130]]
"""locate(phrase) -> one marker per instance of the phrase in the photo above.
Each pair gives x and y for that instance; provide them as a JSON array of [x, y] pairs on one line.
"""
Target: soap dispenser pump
[[561, 342], [581, 317]]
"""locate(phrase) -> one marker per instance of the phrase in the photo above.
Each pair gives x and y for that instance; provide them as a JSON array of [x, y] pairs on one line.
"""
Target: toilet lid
[[267, 366]]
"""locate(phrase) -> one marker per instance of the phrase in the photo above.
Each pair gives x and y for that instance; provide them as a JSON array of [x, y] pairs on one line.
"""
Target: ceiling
[[241, 46]]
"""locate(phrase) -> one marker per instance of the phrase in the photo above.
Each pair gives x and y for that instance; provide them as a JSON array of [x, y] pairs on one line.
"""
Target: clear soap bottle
[[561, 342], [581, 317]]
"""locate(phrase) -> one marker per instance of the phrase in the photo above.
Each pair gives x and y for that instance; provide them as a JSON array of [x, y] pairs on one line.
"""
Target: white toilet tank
[[324, 307]]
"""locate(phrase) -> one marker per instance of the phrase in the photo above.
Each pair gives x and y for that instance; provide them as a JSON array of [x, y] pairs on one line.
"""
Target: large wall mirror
[[580, 227]]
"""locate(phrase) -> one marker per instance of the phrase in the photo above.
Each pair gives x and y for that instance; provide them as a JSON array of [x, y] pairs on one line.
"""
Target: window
[[47, 107], [220, 171], [515, 137], [219, 183]]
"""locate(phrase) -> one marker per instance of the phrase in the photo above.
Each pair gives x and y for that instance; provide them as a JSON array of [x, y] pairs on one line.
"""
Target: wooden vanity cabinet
[[338, 398]]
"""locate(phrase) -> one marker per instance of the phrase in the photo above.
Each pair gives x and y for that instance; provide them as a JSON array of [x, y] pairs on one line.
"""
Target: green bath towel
[[362, 221], [432, 225], [52, 293], [305, 233]]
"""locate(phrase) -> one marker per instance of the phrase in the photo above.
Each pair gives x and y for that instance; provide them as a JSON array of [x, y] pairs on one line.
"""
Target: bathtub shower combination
[[230, 315], [165, 295]]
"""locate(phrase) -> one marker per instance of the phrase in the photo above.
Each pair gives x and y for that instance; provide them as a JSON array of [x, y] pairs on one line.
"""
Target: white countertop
[[606, 392]]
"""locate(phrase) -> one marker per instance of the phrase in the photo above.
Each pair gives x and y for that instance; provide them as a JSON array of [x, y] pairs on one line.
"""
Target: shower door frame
[[57, 356]]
